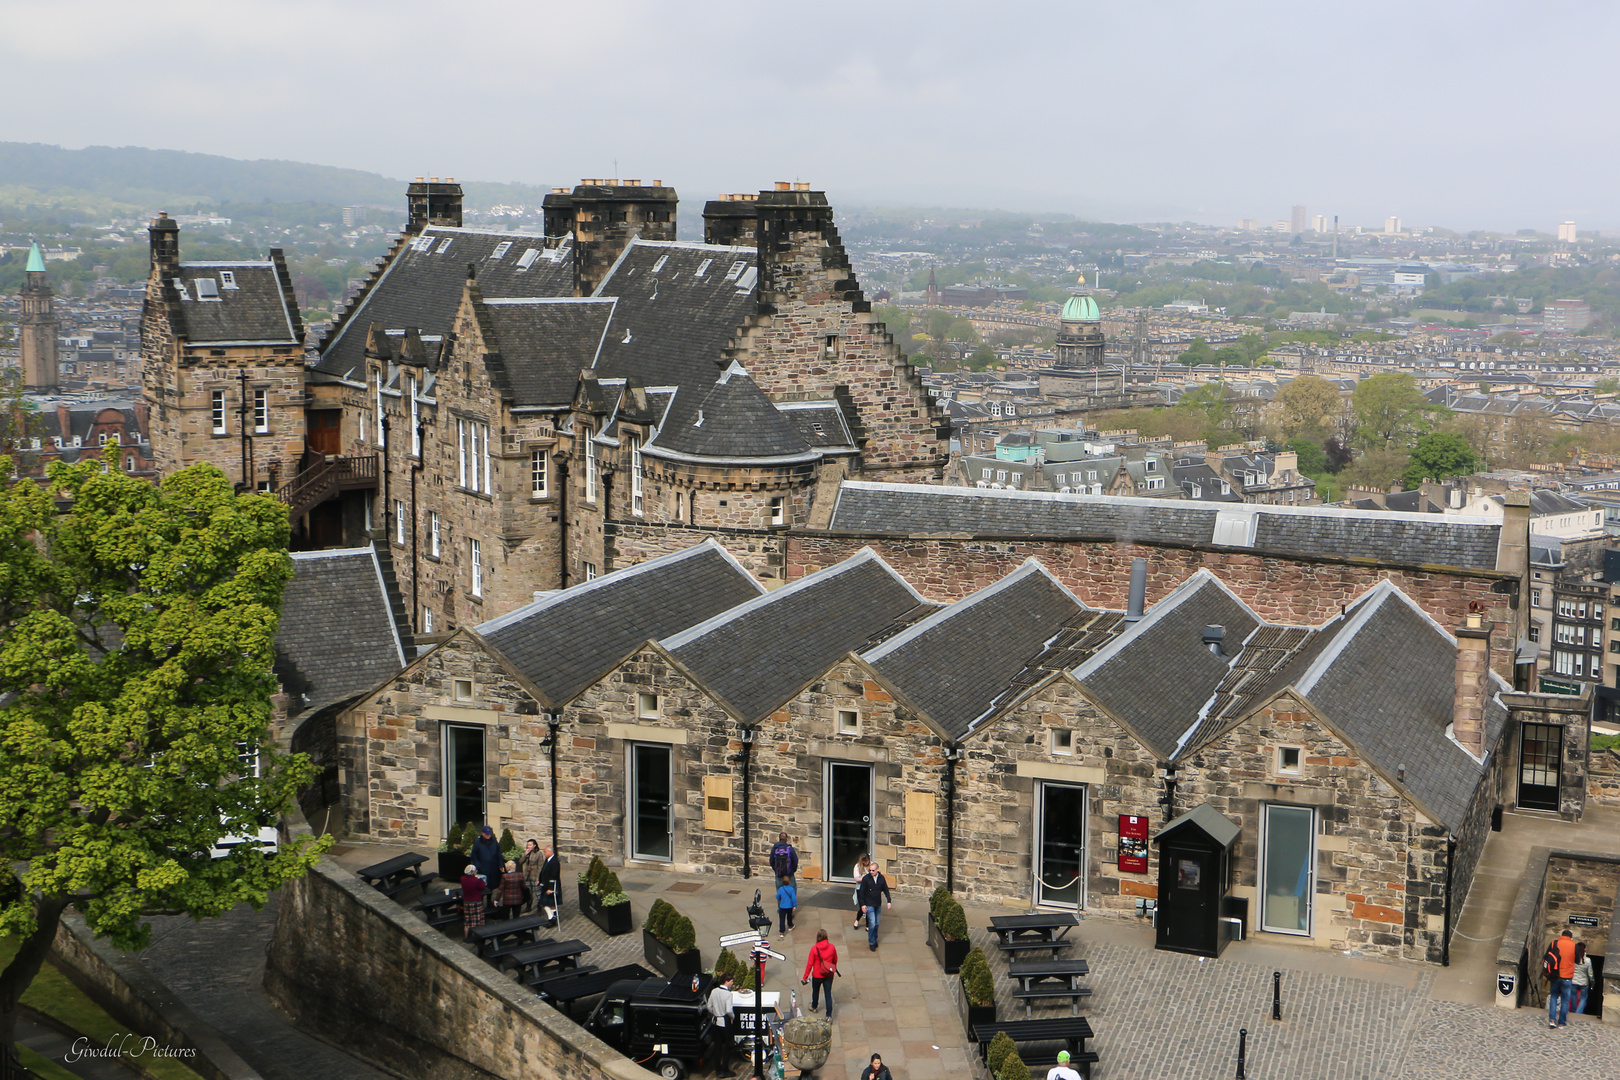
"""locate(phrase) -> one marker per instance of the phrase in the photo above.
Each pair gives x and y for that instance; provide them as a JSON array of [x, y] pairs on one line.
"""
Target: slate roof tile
[[545, 342], [337, 637], [256, 310]]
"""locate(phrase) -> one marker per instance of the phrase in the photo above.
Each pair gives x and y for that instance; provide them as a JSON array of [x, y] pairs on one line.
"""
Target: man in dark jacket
[[550, 887], [486, 856], [785, 860], [874, 887]]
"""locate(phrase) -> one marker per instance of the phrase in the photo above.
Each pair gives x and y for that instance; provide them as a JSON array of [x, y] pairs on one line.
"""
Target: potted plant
[[948, 934], [1012, 1066], [510, 852], [602, 899], [669, 941], [453, 852], [996, 1053], [978, 991], [934, 900], [741, 970]]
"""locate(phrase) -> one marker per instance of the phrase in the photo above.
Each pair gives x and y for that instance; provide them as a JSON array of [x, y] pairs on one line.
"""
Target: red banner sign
[[1133, 844]]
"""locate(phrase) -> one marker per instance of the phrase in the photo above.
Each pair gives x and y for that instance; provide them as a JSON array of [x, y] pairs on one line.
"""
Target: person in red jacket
[[820, 966], [472, 900]]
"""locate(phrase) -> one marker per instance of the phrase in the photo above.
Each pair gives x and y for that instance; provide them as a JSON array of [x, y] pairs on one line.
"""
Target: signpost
[[1583, 920]]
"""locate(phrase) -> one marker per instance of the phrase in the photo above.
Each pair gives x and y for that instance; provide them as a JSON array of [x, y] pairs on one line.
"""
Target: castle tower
[[36, 323], [1080, 338], [608, 214], [433, 202]]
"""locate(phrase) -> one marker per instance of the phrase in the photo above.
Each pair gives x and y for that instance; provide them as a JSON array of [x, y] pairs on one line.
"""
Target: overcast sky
[[1465, 113]]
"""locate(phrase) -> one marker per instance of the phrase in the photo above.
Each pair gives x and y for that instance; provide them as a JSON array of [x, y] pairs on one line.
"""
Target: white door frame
[[838, 873], [1040, 844]]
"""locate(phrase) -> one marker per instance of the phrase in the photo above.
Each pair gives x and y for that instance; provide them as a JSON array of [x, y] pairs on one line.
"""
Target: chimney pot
[[1138, 594], [783, 185]]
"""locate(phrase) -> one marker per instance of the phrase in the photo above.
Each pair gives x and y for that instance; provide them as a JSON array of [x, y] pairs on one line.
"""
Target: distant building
[[1080, 341], [37, 329], [1319, 223], [980, 295], [1297, 223], [1392, 225], [1566, 232], [1566, 315]]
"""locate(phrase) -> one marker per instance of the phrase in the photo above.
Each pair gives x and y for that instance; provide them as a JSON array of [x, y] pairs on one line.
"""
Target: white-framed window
[[461, 453], [433, 533], [227, 279], [416, 419], [261, 411], [1062, 741], [129, 463], [475, 554], [987, 474], [472, 457], [427, 620], [590, 465], [247, 756], [590, 571], [778, 511], [363, 435], [462, 689], [1288, 868], [1564, 634], [218, 406], [849, 721], [1563, 662], [489, 475], [382, 436], [635, 476], [539, 473], [1288, 760], [399, 520], [646, 705], [1001, 475]]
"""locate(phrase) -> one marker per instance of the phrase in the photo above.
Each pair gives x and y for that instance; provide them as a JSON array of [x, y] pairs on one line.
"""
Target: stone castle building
[[36, 329]]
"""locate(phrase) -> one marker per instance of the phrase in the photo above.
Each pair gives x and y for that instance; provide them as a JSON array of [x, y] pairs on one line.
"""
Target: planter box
[[950, 954], [451, 864], [613, 920], [973, 1015], [667, 961]]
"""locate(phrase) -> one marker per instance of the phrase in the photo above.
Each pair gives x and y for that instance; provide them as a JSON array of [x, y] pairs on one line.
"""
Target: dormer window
[[444, 245], [227, 279], [501, 249]]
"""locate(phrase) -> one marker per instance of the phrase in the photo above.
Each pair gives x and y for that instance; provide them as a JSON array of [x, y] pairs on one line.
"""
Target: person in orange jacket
[[1559, 993], [821, 965]]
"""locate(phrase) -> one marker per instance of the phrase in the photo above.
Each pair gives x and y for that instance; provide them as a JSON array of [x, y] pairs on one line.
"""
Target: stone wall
[[354, 968], [1573, 714], [1603, 778], [1579, 886]]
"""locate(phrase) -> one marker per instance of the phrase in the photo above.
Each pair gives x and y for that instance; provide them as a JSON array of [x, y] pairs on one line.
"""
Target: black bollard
[[1276, 995], [1243, 1049]]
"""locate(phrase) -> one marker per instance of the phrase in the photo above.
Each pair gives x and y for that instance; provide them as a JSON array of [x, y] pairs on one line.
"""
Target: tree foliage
[[1439, 455], [137, 633], [1307, 404], [1385, 407]]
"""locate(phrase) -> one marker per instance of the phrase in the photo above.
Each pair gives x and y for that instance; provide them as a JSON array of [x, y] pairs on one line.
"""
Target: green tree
[[1439, 455], [137, 628], [1385, 407], [1607, 386], [1313, 460], [1198, 352], [1306, 404], [983, 357]]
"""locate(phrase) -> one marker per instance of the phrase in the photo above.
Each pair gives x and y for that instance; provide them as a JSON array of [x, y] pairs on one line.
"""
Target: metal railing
[[325, 478]]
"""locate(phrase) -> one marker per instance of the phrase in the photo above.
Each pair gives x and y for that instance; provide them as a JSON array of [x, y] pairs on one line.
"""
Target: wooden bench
[[544, 978], [392, 876], [1018, 946], [1035, 993], [533, 958], [562, 993], [1070, 1030], [489, 936], [398, 885]]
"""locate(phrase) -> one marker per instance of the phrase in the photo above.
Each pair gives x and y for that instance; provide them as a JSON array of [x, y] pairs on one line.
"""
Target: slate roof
[[422, 286], [1077, 640], [819, 423], [1157, 674], [255, 311], [956, 663], [908, 509], [1388, 683], [338, 637], [1214, 824], [567, 640], [543, 344], [758, 655]]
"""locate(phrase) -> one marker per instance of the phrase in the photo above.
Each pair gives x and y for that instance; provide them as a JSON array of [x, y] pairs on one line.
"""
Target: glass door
[[652, 823], [1541, 759], [464, 794], [1060, 872], [849, 818], [1288, 863]]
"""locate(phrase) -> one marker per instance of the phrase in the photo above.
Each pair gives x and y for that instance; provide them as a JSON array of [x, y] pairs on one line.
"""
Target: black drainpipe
[[952, 754], [747, 748], [562, 521], [416, 467], [387, 509], [1445, 942], [554, 722]]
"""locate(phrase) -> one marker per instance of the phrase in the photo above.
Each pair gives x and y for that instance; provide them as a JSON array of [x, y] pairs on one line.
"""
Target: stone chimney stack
[[731, 220], [433, 202], [164, 233], [1473, 680]]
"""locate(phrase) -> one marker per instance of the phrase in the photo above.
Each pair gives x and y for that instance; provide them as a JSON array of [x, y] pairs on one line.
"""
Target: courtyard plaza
[[1156, 1014]]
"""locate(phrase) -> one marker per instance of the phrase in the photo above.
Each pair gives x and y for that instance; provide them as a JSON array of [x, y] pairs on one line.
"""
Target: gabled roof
[[567, 640], [338, 636], [543, 344], [1210, 821], [759, 654], [819, 423], [1080, 637], [1154, 676], [256, 311], [954, 664]]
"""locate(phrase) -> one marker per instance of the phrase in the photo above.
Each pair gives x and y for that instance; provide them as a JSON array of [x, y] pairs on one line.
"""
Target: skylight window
[[526, 260], [703, 267], [444, 245], [207, 288], [423, 243], [746, 282], [227, 279], [659, 265], [736, 268], [501, 249], [180, 287]]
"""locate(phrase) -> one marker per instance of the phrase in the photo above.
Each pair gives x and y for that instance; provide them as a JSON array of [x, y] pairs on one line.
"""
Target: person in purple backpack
[[785, 860]]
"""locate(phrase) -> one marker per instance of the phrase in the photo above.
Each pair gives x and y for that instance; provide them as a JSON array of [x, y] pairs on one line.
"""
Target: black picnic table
[[1049, 979], [564, 992], [1020, 933], [522, 930], [532, 959], [393, 876], [1072, 1030], [442, 909]]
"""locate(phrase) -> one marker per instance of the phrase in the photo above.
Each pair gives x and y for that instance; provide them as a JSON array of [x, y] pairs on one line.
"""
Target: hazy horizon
[[1461, 116]]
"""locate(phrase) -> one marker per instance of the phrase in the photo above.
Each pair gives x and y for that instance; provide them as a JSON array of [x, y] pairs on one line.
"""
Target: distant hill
[[144, 178]]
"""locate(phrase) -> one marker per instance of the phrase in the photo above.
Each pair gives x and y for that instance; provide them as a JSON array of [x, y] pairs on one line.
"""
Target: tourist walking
[[530, 863], [511, 892], [874, 887], [876, 1070], [1581, 979], [1062, 1070], [486, 856], [1563, 971], [787, 899], [721, 1008], [551, 887], [472, 901], [820, 967], [785, 860], [859, 872]]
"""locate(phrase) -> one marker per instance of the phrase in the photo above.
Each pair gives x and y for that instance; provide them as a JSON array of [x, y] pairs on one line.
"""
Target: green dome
[[1081, 309], [36, 262]]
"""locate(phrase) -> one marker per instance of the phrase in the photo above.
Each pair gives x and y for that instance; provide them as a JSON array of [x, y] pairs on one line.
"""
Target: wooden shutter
[[920, 818], [717, 803]]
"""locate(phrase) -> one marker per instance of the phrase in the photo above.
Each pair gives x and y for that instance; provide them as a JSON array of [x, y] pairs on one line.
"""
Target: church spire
[[36, 261]]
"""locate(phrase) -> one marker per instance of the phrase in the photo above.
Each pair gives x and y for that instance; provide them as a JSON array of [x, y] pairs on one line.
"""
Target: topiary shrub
[[952, 920], [940, 895], [977, 984], [1013, 1067], [682, 934], [740, 969], [509, 846], [458, 836], [997, 1052], [594, 874], [657, 917], [609, 883]]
